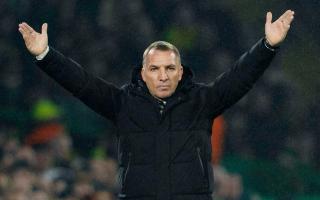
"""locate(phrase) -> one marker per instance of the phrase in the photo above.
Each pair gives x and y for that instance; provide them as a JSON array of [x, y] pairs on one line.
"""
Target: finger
[[269, 18], [287, 15], [44, 28], [23, 28], [289, 18], [288, 12], [287, 21], [22, 32], [25, 35], [285, 25], [30, 29], [283, 16], [20, 29]]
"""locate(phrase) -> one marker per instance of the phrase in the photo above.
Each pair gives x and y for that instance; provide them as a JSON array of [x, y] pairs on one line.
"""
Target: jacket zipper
[[200, 161], [127, 170]]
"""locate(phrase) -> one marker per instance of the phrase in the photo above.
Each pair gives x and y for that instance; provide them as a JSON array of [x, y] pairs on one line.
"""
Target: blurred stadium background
[[53, 147]]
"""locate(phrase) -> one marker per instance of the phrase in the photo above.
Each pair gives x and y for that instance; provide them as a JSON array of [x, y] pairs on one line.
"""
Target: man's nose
[[163, 76]]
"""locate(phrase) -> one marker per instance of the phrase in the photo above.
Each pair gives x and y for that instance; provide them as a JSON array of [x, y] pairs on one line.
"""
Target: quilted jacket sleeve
[[232, 85], [99, 95]]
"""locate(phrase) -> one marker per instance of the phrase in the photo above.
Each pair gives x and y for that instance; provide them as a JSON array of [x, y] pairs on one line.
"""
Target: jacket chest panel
[[138, 115], [189, 115], [183, 117]]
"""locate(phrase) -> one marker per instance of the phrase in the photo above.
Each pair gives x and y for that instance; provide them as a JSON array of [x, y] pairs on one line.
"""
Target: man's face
[[161, 72]]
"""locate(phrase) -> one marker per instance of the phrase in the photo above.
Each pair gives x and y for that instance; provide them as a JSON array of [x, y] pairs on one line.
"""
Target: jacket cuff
[[42, 55], [47, 59], [268, 46]]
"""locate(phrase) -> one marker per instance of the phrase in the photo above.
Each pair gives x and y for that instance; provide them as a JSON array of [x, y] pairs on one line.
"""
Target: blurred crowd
[[43, 167], [108, 38]]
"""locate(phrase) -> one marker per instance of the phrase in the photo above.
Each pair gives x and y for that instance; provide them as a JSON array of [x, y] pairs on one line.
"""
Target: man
[[163, 118]]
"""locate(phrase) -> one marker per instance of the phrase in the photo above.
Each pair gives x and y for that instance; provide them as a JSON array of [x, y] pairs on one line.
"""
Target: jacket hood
[[185, 83]]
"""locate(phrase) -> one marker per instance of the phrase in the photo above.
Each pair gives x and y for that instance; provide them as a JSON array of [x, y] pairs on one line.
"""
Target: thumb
[[269, 18], [44, 28]]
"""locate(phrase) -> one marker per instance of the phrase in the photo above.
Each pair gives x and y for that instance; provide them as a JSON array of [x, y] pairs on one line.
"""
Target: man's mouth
[[163, 87]]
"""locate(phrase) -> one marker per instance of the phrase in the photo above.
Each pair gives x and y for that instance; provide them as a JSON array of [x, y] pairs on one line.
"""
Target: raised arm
[[101, 96], [232, 85]]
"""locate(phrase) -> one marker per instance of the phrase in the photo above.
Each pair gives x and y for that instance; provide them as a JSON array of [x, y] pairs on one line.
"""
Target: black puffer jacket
[[164, 146]]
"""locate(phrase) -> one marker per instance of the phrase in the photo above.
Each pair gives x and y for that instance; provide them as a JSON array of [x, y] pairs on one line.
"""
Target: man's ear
[[180, 72], [142, 73]]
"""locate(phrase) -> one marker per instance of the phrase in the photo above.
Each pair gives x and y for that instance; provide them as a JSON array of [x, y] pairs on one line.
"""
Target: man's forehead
[[163, 52], [161, 57]]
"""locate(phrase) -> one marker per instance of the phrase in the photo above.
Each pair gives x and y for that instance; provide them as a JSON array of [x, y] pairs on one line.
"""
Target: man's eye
[[171, 68], [153, 69]]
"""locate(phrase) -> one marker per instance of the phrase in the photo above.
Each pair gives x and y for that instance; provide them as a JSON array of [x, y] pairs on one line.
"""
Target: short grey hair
[[162, 46]]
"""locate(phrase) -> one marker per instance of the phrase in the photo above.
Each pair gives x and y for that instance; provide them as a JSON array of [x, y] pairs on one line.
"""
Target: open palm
[[35, 42], [276, 31]]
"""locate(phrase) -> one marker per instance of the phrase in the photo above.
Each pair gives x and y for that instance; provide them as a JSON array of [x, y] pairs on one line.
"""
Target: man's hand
[[35, 42], [276, 32]]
